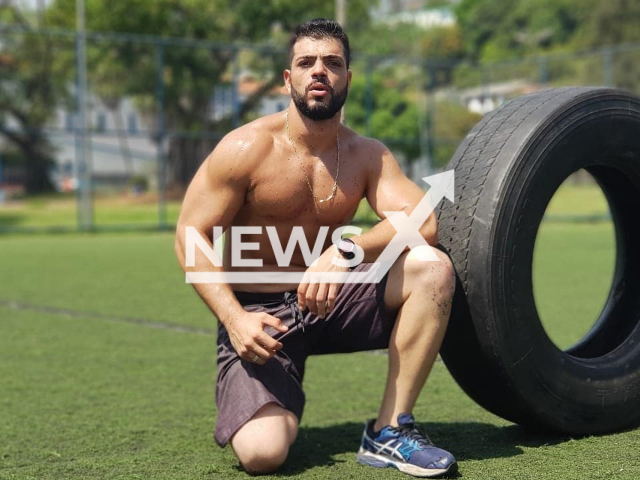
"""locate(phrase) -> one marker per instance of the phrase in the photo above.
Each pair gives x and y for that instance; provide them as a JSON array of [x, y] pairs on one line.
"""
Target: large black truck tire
[[506, 172]]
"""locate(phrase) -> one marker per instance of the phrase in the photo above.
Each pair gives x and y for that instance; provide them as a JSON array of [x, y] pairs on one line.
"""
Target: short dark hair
[[321, 28]]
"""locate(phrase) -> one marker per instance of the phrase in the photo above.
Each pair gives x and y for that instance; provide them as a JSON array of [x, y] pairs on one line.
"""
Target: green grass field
[[107, 368], [60, 210]]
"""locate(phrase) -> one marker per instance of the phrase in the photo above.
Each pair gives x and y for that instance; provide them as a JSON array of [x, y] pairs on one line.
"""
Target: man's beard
[[320, 111]]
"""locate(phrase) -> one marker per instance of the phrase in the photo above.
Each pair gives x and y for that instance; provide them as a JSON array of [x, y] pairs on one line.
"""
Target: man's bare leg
[[262, 444], [422, 293]]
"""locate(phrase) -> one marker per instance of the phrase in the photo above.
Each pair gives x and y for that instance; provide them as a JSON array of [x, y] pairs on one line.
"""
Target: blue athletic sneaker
[[405, 448]]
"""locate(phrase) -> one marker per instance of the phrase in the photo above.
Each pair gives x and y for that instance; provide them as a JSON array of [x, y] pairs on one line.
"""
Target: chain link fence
[[104, 131]]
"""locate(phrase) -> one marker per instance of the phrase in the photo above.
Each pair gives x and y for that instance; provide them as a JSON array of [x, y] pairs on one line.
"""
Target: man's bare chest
[[284, 193]]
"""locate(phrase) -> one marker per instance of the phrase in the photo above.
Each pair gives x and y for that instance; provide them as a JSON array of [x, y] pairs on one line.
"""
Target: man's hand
[[320, 298], [249, 339]]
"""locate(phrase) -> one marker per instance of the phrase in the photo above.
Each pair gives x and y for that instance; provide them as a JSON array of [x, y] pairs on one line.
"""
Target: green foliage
[[442, 43], [495, 31], [453, 122], [42, 70], [244, 21], [405, 39], [391, 110], [382, 39], [609, 23], [512, 28], [190, 74], [479, 21], [394, 116], [34, 84]]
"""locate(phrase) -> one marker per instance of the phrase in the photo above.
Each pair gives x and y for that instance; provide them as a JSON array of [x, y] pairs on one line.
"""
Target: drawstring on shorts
[[291, 299]]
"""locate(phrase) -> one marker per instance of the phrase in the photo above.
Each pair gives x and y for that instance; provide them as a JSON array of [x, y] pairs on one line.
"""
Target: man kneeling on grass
[[303, 168]]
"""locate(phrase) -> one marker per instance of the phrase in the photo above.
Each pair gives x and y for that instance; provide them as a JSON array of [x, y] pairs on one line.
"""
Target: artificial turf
[[98, 382]]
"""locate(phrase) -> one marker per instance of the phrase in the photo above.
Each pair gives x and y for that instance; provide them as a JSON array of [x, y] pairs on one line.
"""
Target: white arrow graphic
[[407, 234], [407, 228]]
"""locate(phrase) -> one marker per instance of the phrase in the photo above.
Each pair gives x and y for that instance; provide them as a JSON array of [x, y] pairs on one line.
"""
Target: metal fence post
[[85, 201], [235, 94], [1, 180], [431, 120], [368, 97], [486, 79], [543, 71], [160, 134], [607, 66]]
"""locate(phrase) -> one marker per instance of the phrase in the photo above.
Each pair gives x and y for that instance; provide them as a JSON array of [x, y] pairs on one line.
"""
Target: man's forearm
[[376, 240], [219, 297]]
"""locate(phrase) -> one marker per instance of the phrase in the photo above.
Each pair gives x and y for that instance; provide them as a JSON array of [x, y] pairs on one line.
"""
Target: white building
[[393, 12], [121, 143], [485, 98]]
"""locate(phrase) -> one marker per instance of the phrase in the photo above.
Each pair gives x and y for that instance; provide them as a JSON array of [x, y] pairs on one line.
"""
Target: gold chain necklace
[[334, 190]]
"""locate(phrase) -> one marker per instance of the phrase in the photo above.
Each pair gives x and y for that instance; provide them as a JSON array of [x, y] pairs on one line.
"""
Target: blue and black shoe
[[405, 448]]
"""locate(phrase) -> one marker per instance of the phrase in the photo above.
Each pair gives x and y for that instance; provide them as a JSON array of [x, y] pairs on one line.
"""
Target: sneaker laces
[[412, 432]]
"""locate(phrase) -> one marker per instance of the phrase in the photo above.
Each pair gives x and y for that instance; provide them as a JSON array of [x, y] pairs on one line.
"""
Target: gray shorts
[[359, 321]]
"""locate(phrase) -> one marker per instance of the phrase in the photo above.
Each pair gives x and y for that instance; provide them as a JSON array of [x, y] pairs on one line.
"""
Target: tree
[[611, 23], [514, 28], [452, 122], [191, 74], [34, 84], [510, 29], [442, 43], [407, 39], [392, 111]]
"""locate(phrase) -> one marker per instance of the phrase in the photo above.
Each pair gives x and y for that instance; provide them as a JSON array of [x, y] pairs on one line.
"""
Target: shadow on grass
[[11, 219], [317, 446]]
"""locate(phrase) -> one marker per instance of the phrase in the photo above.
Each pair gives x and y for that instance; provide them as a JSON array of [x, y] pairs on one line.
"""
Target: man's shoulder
[[252, 138], [367, 147], [244, 146]]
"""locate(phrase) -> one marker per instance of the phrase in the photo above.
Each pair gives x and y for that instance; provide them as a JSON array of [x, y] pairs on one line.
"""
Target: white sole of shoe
[[380, 461]]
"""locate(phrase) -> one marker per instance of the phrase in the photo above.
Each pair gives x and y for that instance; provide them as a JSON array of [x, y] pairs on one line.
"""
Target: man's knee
[[437, 278], [444, 275], [265, 456], [262, 444]]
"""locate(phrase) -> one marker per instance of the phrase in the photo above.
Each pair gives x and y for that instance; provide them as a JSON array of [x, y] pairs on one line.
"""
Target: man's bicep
[[388, 188], [213, 198]]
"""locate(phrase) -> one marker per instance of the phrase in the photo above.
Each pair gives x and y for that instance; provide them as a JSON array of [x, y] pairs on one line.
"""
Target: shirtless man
[[303, 167]]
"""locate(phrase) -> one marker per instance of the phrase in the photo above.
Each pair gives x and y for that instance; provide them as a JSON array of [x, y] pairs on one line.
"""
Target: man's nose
[[319, 69]]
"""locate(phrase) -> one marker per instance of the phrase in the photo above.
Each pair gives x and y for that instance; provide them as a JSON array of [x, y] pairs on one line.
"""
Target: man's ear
[[287, 79], [349, 78]]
